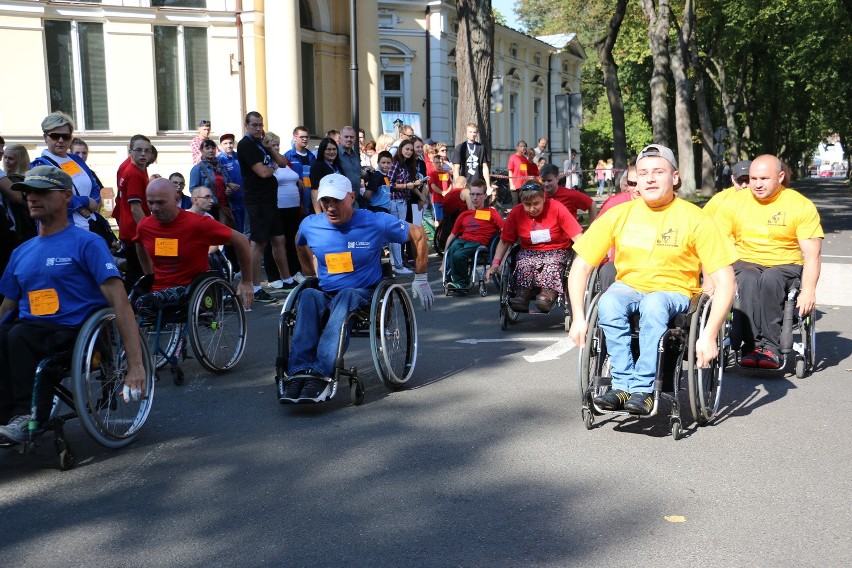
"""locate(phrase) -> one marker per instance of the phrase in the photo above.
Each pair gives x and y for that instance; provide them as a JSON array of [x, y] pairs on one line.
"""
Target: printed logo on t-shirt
[[110, 266], [57, 261], [358, 244], [778, 220], [668, 238]]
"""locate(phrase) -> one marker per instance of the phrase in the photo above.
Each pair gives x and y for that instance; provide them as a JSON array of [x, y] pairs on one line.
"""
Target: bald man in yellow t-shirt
[[778, 237], [661, 243]]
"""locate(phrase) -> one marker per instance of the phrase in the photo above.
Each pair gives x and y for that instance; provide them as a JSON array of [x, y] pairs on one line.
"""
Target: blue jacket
[[77, 200]]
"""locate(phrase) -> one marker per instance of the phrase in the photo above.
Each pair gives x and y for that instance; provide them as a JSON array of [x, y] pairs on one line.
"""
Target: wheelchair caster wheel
[[177, 376], [588, 418], [800, 368], [504, 319], [677, 432], [483, 291], [356, 393], [66, 456]]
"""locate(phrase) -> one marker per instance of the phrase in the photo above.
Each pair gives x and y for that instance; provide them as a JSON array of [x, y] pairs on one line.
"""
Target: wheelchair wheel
[[286, 323], [806, 363], [393, 334], [98, 368], [217, 325], [169, 337], [507, 314], [705, 385], [594, 360]]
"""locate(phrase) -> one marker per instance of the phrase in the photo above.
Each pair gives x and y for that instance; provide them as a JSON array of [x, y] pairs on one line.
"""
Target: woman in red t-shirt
[[545, 230]]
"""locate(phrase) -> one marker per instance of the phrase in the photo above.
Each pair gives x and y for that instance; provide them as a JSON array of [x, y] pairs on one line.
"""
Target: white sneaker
[[277, 284], [299, 277], [402, 270]]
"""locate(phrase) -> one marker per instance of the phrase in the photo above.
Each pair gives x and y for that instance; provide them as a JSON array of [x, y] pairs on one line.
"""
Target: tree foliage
[[775, 74]]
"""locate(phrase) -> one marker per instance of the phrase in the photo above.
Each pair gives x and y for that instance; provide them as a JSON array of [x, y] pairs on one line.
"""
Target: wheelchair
[[389, 322], [477, 266], [87, 381], [675, 354], [510, 316], [212, 321], [803, 352]]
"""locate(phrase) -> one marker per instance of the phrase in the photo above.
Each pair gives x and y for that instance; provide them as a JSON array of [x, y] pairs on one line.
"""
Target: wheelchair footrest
[[326, 394]]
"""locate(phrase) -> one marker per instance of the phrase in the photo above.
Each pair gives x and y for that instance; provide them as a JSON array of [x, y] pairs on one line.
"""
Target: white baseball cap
[[335, 186], [658, 151]]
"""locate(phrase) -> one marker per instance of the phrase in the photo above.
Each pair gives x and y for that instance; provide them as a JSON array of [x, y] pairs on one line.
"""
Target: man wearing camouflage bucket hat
[[54, 282]]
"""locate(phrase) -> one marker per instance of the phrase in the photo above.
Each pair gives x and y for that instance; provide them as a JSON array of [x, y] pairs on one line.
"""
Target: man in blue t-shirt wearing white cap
[[347, 244]]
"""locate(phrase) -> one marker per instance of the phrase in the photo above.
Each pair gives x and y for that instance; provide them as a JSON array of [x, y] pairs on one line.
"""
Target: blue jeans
[[399, 209], [313, 346], [655, 309]]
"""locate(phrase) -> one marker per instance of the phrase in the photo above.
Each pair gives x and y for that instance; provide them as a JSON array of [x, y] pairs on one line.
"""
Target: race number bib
[[306, 181], [523, 169], [540, 236], [71, 168], [339, 262], [166, 247], [482, 215], [638, 236], [43, 302]]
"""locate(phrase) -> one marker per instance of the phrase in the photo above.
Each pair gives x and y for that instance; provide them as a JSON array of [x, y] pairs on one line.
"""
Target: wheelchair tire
[[98, 368], [217, 325], [393, 334], [705, 385], [593, 357], [801, 370], [507, 314], [809, 341], [170, 335]]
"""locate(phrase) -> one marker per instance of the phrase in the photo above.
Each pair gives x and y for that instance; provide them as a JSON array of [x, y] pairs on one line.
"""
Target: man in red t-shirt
[[519, 168], [130, 206], [173, 243], [572, 199], [473, 228]]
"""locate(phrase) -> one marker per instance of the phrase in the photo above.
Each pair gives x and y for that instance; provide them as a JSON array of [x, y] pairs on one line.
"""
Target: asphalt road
[[482, 461]]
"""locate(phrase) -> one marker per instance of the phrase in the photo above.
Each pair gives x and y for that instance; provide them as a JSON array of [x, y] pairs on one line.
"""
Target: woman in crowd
[[545, 230], [208, 172], [58, 130], [16, 226], [403, 181], [328, 162], [289, 210], [600, 176]]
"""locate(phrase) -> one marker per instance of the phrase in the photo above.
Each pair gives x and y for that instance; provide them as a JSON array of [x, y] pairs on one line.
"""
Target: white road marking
[[833, 285], [559, 345]]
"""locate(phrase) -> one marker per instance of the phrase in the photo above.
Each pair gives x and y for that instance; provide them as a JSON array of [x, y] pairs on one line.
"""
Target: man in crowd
[[350, 160], [573, 200], [227, 159], [301, 160], [739, 180], [195, 145], [406, 132], [257, 159], [470, 159], [541, 150]]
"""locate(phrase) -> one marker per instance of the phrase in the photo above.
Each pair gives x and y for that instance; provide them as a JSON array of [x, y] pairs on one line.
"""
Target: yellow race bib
[[71, 168], [165, 247], [339, 262], [43, 302]]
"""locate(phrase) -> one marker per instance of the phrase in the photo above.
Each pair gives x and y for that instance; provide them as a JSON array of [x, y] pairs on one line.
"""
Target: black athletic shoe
[[293, 387], [612, 400], [640, 403], [264, 297], [313, 388]]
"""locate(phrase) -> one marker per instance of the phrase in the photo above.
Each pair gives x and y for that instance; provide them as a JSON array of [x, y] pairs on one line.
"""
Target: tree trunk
[[613, 89], [683, 98], [708, 157], [475, 67], [658, 35]]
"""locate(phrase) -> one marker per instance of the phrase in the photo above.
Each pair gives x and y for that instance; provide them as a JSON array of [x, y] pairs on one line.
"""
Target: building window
[[308, 100], [76, 72], [392, 93], [537, 59], [306, 18], [513, 50], [183, 91], [179, 3]]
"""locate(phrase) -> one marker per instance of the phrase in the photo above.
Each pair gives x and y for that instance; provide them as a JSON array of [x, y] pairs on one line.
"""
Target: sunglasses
[[55, 136]]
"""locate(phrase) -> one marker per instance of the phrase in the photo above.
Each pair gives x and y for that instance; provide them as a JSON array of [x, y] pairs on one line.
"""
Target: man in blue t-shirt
[[227, 159], [301, 160], [347, 244], [54, 282]]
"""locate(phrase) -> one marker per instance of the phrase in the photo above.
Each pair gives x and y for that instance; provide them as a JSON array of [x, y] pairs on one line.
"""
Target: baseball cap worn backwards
[[44, 177], [658, 151], [336, 186]]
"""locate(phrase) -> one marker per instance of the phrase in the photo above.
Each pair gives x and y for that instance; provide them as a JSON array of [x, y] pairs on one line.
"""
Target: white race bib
[[540, 236]]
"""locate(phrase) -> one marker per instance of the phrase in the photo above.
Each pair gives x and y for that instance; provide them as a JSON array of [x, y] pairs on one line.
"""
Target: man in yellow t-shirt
[[661, 243], [739, 179], [778, 237]]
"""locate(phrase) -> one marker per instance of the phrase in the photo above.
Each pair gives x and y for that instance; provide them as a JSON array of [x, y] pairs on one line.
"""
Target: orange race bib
[[306, 181], [71, 168], [339, 262], [43, 302], [523, 169], [387, 181], [165, 247], [482, 215]]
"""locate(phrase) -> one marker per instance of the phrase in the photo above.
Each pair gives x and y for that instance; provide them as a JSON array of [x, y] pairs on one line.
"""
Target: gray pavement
[[482, 461]]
